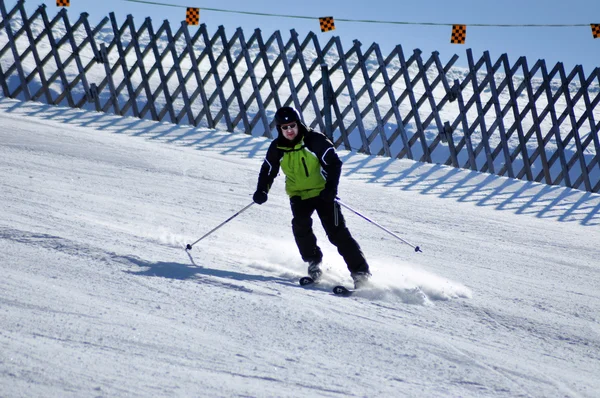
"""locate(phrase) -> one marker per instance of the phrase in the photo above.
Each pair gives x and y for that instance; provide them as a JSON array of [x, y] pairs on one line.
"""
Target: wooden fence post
[[472, 162], [326, 100], [450, 140], [5, 90]]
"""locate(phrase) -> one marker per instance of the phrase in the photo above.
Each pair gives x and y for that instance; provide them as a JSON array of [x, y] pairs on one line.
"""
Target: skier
[[312, 169]]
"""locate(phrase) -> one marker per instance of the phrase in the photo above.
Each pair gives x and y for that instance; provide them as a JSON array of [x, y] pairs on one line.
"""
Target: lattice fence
[[532, 123]]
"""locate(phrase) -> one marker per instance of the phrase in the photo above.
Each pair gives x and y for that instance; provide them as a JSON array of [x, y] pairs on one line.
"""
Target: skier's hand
[[328, 195], [259, 197]]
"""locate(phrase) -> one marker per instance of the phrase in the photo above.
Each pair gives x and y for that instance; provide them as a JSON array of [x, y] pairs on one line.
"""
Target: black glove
[[259, 197], [328, 194], [294, 200]]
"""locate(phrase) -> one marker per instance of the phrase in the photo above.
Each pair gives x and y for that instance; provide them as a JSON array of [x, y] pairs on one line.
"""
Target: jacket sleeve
[[331, 163], [269, 169]]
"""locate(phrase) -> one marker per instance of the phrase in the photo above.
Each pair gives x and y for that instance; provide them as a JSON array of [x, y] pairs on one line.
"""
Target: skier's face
[[289, 130]]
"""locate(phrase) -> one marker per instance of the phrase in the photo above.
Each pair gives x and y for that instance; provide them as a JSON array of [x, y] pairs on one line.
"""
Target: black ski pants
[[334, 225]]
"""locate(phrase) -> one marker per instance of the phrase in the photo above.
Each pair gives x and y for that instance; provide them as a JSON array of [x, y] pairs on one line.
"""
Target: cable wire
[[368, 20]]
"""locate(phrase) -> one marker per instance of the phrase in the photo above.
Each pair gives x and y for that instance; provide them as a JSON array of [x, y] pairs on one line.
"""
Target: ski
[[338, 290], [342, 291]]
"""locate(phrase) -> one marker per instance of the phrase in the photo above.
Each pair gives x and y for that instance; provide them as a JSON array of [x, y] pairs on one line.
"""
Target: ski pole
[[189, 246], [417, 249]]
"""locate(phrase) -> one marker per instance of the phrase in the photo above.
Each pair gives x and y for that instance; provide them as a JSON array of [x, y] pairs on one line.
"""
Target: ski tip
[[306, 280], [342, 291]]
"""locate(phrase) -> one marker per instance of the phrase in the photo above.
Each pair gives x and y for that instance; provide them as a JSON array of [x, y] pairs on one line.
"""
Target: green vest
[[302, 171]]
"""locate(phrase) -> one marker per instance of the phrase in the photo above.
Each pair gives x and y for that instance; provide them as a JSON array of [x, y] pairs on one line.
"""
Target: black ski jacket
[[310, 164]]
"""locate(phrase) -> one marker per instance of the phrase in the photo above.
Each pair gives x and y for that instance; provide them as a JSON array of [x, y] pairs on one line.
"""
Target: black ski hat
[[285, 115]]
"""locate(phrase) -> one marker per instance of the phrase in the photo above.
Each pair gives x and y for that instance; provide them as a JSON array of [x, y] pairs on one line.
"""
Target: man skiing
[[312, 169]]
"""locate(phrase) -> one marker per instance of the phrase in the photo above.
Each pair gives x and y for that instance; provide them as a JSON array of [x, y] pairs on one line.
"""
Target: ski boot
[[361, 279], [314, 270]]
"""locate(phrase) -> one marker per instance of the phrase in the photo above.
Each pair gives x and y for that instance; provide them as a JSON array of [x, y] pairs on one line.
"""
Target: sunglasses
[[289, 126]]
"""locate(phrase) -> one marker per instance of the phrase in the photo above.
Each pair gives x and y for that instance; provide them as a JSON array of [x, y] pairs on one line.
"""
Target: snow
[[99, 298]]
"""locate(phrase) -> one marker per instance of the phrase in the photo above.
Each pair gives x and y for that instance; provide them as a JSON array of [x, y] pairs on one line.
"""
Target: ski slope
[[99, 298]]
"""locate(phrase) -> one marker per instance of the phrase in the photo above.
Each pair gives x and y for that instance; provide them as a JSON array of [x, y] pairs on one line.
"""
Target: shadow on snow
[[481, 189]]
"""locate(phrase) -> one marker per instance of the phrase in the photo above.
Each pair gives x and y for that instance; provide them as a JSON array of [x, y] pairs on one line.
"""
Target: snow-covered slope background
[[99, 298]]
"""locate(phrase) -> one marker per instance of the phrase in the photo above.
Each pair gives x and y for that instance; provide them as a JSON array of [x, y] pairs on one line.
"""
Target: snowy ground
[[98, 297]]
